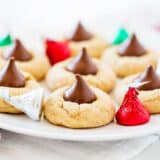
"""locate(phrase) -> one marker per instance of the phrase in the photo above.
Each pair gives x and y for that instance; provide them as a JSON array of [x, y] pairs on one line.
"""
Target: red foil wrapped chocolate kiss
[[57, 51], [132, 111]]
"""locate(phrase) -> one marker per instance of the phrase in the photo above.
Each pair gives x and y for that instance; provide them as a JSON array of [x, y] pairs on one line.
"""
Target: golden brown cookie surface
[[124, 66], [73, 115], [95, 46], [58, 76], [37, 66], [150, 98], [30, 85]]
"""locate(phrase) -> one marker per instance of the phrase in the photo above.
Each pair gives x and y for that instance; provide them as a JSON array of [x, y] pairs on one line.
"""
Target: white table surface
[[151, 152], [17, 147]]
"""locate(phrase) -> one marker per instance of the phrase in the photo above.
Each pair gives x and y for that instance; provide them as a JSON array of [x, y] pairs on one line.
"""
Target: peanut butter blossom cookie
[[93, 71], [79, 106], [37, 65], [130, 57], [83, 38], [148, 85], [16, 82]]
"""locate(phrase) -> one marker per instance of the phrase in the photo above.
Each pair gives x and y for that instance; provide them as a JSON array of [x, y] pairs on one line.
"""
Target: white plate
[[24, 125]]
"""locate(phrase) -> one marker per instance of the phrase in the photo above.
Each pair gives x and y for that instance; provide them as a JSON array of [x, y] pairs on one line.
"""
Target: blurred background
[[41, 18]]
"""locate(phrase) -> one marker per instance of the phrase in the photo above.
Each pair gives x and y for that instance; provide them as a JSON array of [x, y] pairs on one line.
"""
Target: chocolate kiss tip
[[131, 47], [151, 76], [11, 61], [82, 64], [84, 53], [150, 68], [80, 33], [133, 37], [11, 58], [17, 41], [150, 71], [78, 78], [132, 91], [18, 51], [10, 76], [79, 92]]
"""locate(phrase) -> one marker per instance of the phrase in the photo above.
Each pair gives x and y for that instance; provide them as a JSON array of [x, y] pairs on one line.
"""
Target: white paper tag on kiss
[[29, 103], [138, 84], [135, 85]]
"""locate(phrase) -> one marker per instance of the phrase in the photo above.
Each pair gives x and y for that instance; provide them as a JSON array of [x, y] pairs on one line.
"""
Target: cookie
[[37, 65], [93, 71], [16, 82], [79, 108], [149, 89], [82, 38], [130, 59]]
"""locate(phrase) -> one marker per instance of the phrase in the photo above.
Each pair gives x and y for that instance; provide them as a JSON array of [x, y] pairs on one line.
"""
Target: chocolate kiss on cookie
[[10, 76], [81, 34], [131, 47], [18, 51], [151, 77], [82, 64], [79, 92]]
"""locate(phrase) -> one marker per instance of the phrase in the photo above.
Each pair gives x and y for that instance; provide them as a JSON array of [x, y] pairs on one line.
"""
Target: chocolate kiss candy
[[132, 111], [80, 34], [57, 51], [18, 51], [6, 40], [151, 77], [121, 36], [82, 64], [79, 92], [131, 47], [10, 76]]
